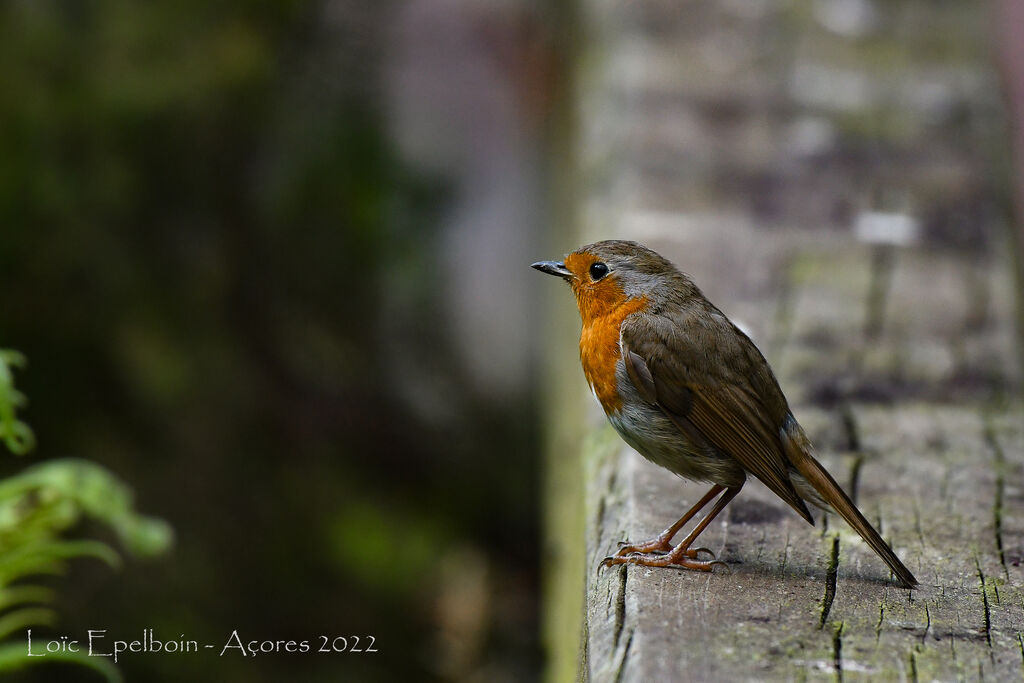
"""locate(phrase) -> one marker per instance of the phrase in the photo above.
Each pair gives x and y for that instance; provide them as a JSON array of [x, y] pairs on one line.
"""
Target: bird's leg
[[663, 541], [681, 555]]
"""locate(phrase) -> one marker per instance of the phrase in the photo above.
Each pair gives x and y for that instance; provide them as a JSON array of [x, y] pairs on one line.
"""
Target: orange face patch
[[603, 306], [594, 299]]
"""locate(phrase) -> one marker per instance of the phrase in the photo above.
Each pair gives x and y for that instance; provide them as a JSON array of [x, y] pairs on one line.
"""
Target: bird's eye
[[598, 270]]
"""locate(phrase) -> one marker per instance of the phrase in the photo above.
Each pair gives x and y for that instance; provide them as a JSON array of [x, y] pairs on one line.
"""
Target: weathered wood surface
[[899, 359], [942, 479]]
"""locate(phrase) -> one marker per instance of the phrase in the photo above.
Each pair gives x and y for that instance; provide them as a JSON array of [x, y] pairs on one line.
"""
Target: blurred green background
[[248, 282]]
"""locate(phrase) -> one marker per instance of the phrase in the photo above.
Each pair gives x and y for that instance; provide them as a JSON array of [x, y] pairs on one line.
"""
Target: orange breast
[[599, 351]]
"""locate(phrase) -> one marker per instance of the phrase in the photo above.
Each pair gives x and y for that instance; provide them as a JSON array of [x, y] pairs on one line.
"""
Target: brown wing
[[711, 381]]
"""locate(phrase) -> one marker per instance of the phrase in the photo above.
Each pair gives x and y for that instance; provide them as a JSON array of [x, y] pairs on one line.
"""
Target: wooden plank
[[899, 359], [930, 474], [932, 478]]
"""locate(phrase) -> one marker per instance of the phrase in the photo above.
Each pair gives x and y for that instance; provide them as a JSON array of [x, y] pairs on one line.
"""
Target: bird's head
[[605, 275]]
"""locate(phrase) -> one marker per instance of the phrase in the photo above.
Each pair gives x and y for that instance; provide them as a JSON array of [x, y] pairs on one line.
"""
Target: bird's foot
[[678, 557], [659, 553], [659, 545]]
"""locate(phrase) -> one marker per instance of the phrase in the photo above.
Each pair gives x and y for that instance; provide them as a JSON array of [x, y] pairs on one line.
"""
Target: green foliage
[[16, 435], [12, 658], [36, 507], [227, 282]]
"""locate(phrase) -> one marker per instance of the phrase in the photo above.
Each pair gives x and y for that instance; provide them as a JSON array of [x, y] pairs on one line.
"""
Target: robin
[[689, 391]]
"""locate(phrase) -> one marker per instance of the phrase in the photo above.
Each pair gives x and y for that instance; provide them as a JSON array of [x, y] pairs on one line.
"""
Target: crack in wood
[[761, 546], [853, 444], [620, 605], [912, 673], [881, 617], [984, 600], [785, 553], [858, 462], [999, 465], [850, 430], [831, 577], [837, 651], [952, 648], [916, 509], [625, 656]]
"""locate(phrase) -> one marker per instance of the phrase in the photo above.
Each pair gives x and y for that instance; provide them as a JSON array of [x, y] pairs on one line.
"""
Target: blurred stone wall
[[802, 112]]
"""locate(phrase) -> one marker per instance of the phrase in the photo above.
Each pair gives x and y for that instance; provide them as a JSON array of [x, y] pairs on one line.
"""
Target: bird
[[689, 391]]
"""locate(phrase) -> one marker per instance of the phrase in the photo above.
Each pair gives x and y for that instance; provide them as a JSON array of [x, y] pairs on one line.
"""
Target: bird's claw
[[683, 560], [625, 550], [686, 559]]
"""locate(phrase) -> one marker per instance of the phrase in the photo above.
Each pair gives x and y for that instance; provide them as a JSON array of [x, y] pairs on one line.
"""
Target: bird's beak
[[553, 268]]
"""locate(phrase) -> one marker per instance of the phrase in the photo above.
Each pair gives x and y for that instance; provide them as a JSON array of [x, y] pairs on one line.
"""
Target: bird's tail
[[800, 454]]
